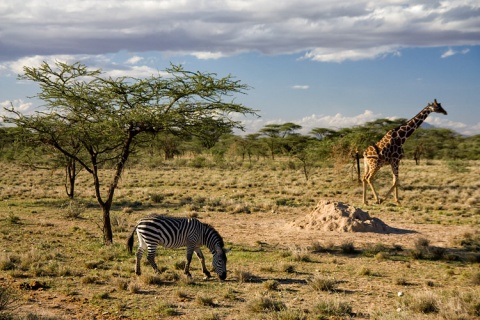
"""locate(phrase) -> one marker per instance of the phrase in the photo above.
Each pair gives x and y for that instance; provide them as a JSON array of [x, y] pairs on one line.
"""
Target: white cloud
[[339, 121], [134, 60], [300, 87], [18, 104], [450, 52], [339, 54], [130, 69], [16, 67], [327, 30], [336, 121], [445, 123], [134, 72], [205, 55]]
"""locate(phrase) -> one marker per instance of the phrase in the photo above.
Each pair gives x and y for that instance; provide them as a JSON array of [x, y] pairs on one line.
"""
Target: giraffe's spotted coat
[[389, 150]]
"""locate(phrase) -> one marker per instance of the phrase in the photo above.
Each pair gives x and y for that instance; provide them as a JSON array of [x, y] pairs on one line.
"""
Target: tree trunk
[[357, 157], [107, 226], [305, 169], [106, 206], [70, 173]]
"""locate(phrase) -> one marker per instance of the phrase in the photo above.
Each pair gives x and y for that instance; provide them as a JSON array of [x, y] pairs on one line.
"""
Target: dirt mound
[[338, 216]]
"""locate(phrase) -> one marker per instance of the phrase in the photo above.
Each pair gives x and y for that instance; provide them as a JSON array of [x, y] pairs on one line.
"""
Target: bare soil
[[62, 270]]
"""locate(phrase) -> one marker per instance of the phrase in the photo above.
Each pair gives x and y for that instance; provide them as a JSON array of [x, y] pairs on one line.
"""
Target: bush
[[347, 247], [204, 301], [243, 276], [199, 162], [323, 284], [8, 302], [423, 302], [266, 304], [73, 209], [157, 198], [271, 285], [333, 308]]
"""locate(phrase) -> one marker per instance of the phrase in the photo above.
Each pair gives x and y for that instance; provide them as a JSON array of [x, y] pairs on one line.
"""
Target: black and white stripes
[[173, 232]]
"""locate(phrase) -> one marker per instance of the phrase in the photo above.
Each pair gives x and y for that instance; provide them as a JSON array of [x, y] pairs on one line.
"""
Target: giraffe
[[389, 151]]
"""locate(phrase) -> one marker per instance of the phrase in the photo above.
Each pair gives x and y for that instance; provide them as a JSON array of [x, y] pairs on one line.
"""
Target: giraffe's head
[[437, 107]]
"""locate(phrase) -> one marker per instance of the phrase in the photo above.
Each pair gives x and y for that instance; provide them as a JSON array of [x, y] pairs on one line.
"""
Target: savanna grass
[[68, 253], [265, 304]]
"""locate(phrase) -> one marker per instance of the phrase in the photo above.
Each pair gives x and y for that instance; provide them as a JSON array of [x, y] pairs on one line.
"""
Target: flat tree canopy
[[97, 120]]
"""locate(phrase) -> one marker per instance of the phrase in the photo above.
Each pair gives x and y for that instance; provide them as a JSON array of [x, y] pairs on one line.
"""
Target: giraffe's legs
[[394, 183], [375, 195], [367, 178]]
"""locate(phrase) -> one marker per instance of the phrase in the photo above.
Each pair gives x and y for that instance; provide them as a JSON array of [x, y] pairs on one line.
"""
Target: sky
[[317, 63]]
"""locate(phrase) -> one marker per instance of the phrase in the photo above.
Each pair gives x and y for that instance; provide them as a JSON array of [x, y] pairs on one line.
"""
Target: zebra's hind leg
[[151, 258], [201, 257], [139, 254]]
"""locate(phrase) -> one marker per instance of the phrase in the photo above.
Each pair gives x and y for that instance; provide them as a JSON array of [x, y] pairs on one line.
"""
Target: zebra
[[175, 232]]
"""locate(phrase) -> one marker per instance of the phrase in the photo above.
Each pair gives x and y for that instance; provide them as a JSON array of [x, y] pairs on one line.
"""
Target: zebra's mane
[[215, 232]]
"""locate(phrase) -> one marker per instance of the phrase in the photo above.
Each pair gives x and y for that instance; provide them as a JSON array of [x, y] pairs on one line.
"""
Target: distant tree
[[275, 133], [303, 148], [272, 134], [169, 144], [469, 147], [109, 117], [323, 133], [288, 129], [253, 146], [211, 131]]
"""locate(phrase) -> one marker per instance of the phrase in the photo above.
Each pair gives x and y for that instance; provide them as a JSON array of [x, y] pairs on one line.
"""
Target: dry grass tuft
[[243, 276], [134, 287], [423, 302], [321, 283], [333, 308], [271, 285], [203, 300], [265, 304]]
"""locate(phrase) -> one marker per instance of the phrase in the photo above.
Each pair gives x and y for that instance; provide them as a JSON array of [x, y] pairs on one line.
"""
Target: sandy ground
[[277, 229]]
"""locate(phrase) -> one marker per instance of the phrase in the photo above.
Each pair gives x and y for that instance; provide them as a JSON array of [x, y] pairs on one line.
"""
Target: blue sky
[[316, 63]]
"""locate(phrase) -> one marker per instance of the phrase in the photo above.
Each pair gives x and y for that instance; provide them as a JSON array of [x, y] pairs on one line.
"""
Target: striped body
[[174, 232]]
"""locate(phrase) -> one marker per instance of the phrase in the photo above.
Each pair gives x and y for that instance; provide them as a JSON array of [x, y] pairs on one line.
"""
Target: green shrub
[[157, 198]]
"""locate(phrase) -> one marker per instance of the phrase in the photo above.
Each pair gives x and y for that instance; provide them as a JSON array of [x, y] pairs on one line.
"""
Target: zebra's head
[[219, 262]]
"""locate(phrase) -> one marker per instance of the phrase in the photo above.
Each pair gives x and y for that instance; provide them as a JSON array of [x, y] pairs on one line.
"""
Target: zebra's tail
[[130, 241]]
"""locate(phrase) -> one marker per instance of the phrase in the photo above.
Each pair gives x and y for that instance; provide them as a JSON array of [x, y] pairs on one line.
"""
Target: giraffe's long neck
[[406, 130]]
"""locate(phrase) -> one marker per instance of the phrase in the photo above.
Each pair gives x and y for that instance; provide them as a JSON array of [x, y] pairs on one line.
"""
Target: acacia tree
[[272, 132], [109, 117], [275, 132]]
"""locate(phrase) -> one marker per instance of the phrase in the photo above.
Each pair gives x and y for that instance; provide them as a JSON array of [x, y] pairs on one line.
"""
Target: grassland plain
[[53, 264]]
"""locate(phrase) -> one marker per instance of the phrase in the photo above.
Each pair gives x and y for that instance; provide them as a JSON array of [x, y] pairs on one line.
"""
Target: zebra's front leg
[[187, 264], [201, 257]]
